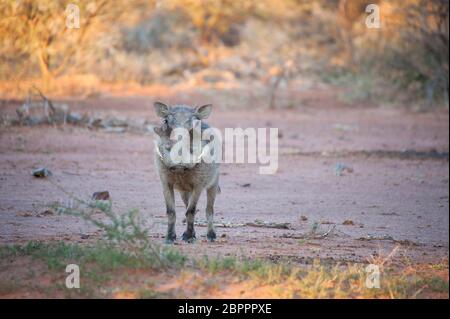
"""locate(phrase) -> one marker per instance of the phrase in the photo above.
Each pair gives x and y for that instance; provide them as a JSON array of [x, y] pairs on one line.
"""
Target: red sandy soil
[[387, 194]]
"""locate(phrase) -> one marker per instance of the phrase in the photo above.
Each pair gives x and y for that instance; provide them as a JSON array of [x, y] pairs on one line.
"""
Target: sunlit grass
[[111, 272]]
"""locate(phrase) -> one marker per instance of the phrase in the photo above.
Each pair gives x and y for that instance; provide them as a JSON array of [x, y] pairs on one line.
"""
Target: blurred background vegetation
[[271, 44]]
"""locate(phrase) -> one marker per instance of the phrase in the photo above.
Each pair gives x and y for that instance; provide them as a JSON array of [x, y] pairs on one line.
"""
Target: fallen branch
[[224, 225], [311, 235], [406, 242], [260, 223], [256, 223]]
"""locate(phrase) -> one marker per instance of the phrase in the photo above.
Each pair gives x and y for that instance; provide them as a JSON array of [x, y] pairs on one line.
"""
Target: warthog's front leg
[[170, 210], [189, 234], [210, 198]]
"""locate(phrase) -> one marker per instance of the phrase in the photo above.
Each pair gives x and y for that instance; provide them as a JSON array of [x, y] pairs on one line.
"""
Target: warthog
[[190, 178]]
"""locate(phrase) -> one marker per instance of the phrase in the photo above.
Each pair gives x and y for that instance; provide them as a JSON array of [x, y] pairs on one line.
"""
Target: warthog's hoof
[[189, 238], [211, 236], [170, 238]]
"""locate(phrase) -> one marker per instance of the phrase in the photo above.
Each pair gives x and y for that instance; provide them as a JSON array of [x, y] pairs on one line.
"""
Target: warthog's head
[[174, 118]]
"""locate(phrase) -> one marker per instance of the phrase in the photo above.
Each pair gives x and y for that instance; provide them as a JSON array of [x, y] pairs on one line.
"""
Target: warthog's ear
[[203, 111], [161, 109]]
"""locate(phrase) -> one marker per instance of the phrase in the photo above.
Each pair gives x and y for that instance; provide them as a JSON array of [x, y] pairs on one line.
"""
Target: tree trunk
[[44, 66]]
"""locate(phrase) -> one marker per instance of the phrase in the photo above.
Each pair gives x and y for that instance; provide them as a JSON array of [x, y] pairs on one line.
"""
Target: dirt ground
[[396, 195]]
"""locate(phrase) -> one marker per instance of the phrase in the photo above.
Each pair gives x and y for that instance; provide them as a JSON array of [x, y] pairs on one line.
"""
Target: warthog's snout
[[178, 168]]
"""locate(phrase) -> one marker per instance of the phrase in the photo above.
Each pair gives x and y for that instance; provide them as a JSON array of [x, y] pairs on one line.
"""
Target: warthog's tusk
[[202, 153], [158, 151]]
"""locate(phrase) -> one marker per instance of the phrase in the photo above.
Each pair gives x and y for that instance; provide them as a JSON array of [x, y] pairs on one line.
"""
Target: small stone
[[42, 172], [303, 218], [103, 195], [340, 168], [46, 213]]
